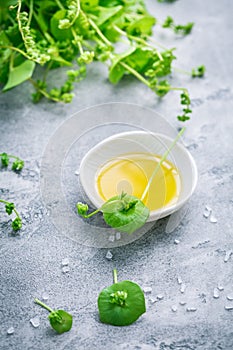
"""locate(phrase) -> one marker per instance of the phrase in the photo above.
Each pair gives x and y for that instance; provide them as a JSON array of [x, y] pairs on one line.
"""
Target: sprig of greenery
[[185, 100], [122, 303], [57, 33], [124, 212], [10, 208], [60, 320], [198, 72], [17, 165], [178, 28]]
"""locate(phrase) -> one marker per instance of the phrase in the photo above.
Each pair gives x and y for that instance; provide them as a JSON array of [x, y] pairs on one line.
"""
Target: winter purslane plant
[[74, 33]]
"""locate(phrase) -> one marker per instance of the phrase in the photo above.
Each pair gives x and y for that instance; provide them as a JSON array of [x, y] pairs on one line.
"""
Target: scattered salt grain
[[65, 262], [216, 293], [111, 238], [176, 241], [118, 236], [109, 255], [182, 288], [179, 280], [174, 308], [65, 269], [45, 296], [230, 297], [183, 303], [10, 330], [35, 321], [221, 288], [207, 211], [191, 309], [228, 255], [147, 289], [228, 308], [213, 219], [160, 297]]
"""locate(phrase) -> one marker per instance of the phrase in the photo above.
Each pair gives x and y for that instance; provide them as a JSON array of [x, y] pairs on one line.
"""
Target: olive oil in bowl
[[131, 173]]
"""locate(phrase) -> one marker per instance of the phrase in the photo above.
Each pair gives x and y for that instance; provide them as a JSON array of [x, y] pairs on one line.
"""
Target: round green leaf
[[60, 34], [61, 321], [128, 219], [121, 315]]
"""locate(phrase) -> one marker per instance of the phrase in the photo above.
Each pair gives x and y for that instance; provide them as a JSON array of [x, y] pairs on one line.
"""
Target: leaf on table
[[19, 74], [121, 304], [61, 321]]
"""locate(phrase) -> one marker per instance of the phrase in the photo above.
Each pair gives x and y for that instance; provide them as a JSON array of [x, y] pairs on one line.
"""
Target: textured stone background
[[31, 262]]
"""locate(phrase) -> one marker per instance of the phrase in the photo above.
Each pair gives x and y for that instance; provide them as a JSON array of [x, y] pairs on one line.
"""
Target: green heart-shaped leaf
[[121, 304], [128, 215], [60, 320]]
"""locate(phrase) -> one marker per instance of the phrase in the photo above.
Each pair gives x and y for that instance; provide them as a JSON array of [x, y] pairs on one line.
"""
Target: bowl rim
[[154, 214]]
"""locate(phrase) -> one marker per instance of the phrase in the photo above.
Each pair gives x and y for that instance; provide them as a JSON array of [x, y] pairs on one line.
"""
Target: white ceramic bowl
[[139, 142]]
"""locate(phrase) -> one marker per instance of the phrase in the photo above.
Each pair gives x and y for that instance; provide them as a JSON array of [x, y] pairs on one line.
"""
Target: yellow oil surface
[[130, 173]]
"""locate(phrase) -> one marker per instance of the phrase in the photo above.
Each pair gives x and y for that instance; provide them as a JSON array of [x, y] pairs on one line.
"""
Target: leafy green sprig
[[198, 72], [60, 320], [185, 101], [17, 165], [60, 32], [124, 212], [10, 208], [122, 303], [178, 28]]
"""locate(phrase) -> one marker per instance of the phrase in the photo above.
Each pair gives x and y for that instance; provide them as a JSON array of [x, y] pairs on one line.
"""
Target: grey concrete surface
[[30, 263]]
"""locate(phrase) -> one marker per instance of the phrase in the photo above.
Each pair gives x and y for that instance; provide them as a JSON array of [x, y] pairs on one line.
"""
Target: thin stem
[[135, 73], [98, 31], [171, 88], [139, 40], [30, 12], [77, 41], [37, 301], [10, 156], [182, 71], [115, 276], [59, 4], [77, 13], [91, 214], [161, 162], [44, 93], [14, 210], [14, 49]]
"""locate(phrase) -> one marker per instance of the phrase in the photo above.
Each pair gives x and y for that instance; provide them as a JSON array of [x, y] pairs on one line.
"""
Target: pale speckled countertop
[[31, 262]]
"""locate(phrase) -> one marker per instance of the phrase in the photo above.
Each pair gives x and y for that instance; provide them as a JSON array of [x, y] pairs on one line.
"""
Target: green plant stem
[[59, 4], [115, 276], [43, 92], [182, 71], [161, 162], [91, 214], [98, 31], [37, 301], [135, 73], [14, 210], [14, 49], [30, 12], [139, 40], [77, 41], [76, 14], [10, 156]]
